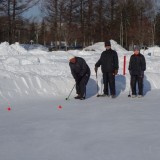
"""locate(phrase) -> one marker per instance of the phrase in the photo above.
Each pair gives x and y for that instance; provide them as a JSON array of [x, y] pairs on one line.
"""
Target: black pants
[[109, 83], [134, 80], [81, 86]]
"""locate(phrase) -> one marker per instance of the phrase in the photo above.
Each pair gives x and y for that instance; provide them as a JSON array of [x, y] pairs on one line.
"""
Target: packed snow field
[[36, 122]]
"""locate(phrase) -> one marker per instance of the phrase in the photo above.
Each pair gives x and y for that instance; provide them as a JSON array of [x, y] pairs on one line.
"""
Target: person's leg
[[112, 84], [140, 85], [105, 82], [83, 84], [133, 84], [77, 91]]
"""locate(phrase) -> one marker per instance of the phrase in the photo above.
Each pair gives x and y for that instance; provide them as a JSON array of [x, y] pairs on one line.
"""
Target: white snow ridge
[[37, 123]]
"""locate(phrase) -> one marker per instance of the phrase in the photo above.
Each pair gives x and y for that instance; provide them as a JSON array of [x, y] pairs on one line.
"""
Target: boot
[[77, 97]]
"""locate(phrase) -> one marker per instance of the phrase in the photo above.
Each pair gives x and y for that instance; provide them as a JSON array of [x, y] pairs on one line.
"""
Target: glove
[[96, 69], [115, 72]]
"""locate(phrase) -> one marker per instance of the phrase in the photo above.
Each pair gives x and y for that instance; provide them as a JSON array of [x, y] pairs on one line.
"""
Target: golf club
[[70, 92]]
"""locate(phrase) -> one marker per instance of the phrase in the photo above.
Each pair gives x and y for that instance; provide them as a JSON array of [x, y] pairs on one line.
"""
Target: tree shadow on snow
[[91, 89], [146, 86], [120, 81], [121, 85]]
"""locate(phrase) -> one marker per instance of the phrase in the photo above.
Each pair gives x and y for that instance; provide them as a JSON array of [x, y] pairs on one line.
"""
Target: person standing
[[109, 65], [137, 66], [81, 73]]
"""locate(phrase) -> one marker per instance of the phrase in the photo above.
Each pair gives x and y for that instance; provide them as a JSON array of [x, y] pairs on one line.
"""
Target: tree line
[[82, 22]]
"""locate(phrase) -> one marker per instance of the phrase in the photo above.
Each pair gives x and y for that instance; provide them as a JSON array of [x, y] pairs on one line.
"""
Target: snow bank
[[115, 46], [99, 47], [6, 49], [32, 128], [19, 48], [152, 51], [11, 61], [31, 71]]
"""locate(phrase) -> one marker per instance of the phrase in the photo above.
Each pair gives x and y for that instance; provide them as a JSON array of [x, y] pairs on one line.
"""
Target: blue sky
[[34, 13]]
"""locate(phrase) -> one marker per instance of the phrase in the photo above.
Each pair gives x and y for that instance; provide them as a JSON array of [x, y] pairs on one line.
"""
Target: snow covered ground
[[27, 71], [36, 122]]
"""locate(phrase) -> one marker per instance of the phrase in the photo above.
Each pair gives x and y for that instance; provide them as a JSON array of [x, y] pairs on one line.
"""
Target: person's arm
[[116, 62], [83, 68], [99, 62], [130, 67], [143, 63], [72, 72]]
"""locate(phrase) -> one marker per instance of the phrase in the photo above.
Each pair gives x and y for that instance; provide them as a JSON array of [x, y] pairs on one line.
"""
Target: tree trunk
[[9, 23], [13, 21], [82, 22]]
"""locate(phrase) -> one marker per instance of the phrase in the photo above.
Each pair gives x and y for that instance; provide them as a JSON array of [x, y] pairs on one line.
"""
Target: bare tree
[[100, 10], [13, 10], [51, 9]]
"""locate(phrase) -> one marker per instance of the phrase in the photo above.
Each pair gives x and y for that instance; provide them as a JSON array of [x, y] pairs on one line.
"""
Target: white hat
[[70, 56]]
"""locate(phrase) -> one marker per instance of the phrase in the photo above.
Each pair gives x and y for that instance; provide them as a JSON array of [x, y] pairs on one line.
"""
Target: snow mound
[[80, 53], [152, 51], [35, 47], [25, 62], [6, 49], [95, 47], [19, 48], [11, 61], [115, 46], [99, 47]]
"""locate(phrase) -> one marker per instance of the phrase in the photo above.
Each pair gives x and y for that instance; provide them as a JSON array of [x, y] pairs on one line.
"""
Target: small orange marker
[[60, 107], [9, 108]]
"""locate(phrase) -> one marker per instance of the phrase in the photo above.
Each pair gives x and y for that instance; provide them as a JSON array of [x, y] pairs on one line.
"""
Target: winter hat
[[70, 56], [107, 43], [136, 48]]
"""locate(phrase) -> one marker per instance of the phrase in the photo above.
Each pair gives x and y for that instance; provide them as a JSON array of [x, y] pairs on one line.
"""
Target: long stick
[[129, 95], [97, 85], [70, 92], [102, 84]]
